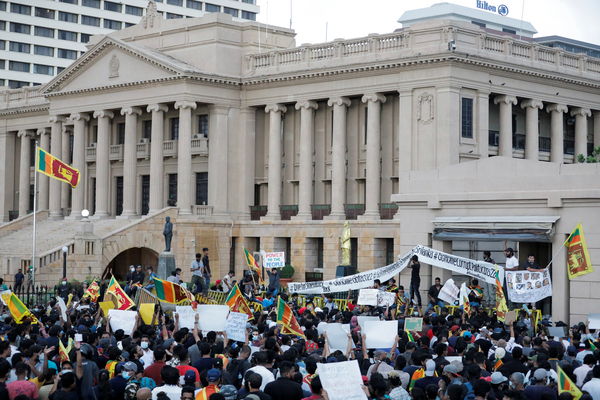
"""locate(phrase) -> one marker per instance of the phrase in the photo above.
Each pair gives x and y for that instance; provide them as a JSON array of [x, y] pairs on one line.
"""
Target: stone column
[[130, 160], [505, 145], [532, 142], [274, 178], [305, 187], [56, 150], [560, 280], [156, 156], [247, 159], [103, 163], [338, 157], [596, 129], [24, 172], [184, 157], [7, 175], [66, 157], [581, 129], [79, 132], [556, 131], [43, 180], [373, 184], [483, 123], [218, 148]]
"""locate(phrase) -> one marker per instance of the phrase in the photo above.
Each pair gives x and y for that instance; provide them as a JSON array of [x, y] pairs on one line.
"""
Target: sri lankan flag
[[501, 307], [63, 352], [170, 292], [498, 364], [252, 264], [18, 310], [285, 317], [418, 374], [49, 165], [237, 302], [410, 336], [464, 299], [123, 301], [565, 384], [93, 292], [578, 258]]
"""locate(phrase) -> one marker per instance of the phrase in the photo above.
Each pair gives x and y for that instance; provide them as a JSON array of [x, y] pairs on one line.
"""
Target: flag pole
[[33, 245], [556, 254]]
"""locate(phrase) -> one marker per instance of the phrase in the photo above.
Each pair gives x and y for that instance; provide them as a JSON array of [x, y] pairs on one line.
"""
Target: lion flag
[[578, 258], [51, 166]]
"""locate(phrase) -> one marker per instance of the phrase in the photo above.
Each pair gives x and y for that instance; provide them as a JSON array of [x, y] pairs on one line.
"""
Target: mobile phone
[[78, 337]]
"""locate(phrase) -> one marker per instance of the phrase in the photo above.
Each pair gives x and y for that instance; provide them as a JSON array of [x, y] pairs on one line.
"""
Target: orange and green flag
[[285, 317], [237, 302], [565, 384], [501, 306], [51, 166], [124, 302], [170, 292], [18, 310], [578, 258], [252, 264]]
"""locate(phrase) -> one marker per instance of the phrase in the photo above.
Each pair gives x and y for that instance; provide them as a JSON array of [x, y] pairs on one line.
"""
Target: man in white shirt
[[593, 386], [227, 282], [512, 263], [170, 377], [197, 276], [263, 363], [581, 372]]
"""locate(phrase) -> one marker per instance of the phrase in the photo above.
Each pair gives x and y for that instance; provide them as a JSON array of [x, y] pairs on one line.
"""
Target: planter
[[283, 282]]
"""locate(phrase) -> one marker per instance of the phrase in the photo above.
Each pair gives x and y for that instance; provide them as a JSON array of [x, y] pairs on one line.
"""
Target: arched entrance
[[133, 256]]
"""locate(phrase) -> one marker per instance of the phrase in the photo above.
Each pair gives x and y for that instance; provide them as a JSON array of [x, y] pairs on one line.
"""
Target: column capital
[[506, 99], [131, 110], [185, 104], [584, 112], [42, 131], [24, 133], [532, 103], [275, 108], [67, 129], [306, 104], [56, 118], [79, 116], [104, 114], [373, 97], [560, 108], [157, 107], [339, 101]]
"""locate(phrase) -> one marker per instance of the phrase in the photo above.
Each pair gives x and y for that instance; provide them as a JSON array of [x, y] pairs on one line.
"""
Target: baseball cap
[[455, 328], [429, 368], [190, 375], [130, 366], [498, 378], [451, 369], [500, 353], [229, 392], [213, 375], [540, 374], [379, 353]]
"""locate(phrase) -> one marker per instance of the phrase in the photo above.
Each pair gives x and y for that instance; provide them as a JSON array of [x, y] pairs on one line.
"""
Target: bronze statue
[[168, 233]]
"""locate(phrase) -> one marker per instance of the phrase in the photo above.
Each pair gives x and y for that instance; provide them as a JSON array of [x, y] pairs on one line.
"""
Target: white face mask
[[144, 345]]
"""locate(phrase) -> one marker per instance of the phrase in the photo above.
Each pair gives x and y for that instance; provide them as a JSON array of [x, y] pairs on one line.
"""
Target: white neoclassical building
[[443, 134]]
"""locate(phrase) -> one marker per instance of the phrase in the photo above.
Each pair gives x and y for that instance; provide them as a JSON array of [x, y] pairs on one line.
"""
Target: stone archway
[[119, 265]]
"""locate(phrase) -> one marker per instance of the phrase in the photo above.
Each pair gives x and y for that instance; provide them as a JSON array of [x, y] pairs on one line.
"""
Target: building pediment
[[115, 63]]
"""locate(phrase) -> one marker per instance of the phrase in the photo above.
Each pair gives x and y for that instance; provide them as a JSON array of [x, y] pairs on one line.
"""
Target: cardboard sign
[[274, 260], [381, 334], [186, 315], [511, 317], [557, 331], [212, 317], [62, 306], [337, 337], [122, 319], [386, 299], [594, 321], [449, 292], [342, 380], [321, 327], [363, 318], [413, 324], [367, 297], [236, 326]]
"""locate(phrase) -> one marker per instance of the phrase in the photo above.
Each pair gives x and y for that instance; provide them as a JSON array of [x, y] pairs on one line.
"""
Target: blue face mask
[[125, 375]]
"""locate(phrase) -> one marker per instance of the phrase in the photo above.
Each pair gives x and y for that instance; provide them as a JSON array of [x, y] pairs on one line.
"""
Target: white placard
[[594, 321], [274, 260], [63, 307], [236, 326], [363, 318], [381, 334], [187, 316], [322, 327], [367, 297], [386, 299], [527, 286], [212, 317], [337, 337], [122, 319], [342, 380], [449, 292]]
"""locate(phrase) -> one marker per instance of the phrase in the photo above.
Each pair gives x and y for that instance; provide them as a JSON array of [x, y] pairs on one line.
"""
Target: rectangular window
[[2, 8], [59, 70], [132, 10], [19, 66], [67, 35], [89, 20], [67, 17], [249, 15], [195, 4], [43, 31], [110, 6], [2, 25], [2, 45], [20, 47], [20, 9], [91, 3], [145, 194], [43, 51], [212, 7], [507, 30], [174, 128], [112, 24], [231, 11], [248, 1], [43, 69], [173, 16], [44, 13], [121, 133], [203, 124], [175, 2], [172, 190], [2, 65], [20, 28], [17, 84], [202, 188], [479, 24], [69, 1], [119, 195], [128, 24], [466, 118], [84, 37], [68, 54], [147, 129]]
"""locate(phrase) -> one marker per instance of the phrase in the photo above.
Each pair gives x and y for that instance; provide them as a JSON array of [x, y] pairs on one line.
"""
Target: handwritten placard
[[413, 324], [367, 297], [274, 260], [342, 380], [236, 326]]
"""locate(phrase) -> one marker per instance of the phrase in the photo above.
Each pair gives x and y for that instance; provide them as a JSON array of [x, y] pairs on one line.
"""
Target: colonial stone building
[[442, 134]]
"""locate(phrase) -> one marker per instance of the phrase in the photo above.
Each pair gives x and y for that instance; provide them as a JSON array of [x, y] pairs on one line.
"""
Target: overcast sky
[[576, 19]]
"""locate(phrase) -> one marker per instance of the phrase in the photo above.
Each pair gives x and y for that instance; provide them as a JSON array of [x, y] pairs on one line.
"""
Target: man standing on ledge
[[415, 279], [206, 270]]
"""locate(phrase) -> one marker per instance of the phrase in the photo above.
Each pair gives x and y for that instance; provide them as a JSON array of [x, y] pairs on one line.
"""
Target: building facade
[[247, 141], [40, 38]]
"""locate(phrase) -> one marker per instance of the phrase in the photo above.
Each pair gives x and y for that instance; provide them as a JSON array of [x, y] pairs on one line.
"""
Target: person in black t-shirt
[[415, 279], [433, 293]]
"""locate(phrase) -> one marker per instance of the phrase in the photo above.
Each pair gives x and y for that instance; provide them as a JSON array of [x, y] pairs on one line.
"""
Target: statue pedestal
[[166, 264]]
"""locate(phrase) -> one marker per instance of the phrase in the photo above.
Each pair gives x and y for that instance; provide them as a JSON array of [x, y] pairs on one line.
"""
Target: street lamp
[[65, 249]]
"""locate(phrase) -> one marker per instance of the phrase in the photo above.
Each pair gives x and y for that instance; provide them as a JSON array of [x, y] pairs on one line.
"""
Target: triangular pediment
[[115, 63]]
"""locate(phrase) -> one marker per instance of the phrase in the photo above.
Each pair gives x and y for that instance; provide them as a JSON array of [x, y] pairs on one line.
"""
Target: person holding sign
[[273, 281], [415, 280]]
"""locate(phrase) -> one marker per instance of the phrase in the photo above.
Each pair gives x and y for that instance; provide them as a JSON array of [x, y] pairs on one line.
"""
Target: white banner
[[274, 260], [342, 380], [449, 292], [527, 286], [482, 270]]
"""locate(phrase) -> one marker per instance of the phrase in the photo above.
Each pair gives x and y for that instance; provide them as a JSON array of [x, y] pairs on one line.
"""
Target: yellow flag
[[105, 306], [146, 312]]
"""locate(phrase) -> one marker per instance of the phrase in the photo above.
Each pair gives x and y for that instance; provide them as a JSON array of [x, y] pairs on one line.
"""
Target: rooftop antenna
[[291, 9], [326, 28], [521, 25]]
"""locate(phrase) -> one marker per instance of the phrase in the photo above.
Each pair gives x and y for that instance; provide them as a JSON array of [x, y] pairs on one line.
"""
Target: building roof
[[562, 39], [449, 10]]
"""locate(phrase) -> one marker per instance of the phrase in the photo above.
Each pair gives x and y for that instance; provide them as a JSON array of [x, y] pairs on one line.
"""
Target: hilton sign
[[501, 9]]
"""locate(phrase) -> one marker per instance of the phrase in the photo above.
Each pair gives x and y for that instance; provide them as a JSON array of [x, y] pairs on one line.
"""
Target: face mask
[[125, 375], [63, 283], [66, 371], [144, 345], [254, 337]]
